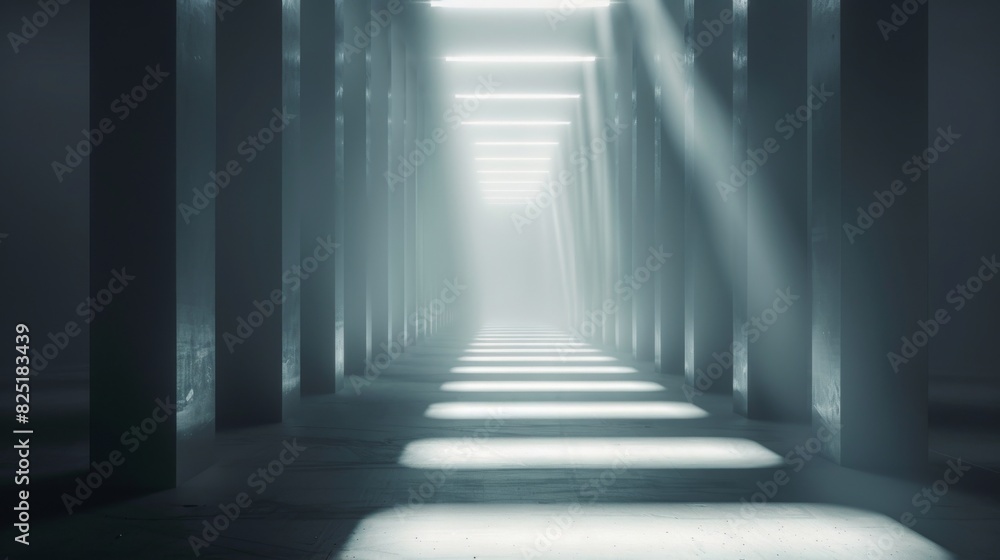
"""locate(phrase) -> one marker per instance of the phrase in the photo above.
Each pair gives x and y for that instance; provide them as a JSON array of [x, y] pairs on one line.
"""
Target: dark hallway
[[459, 279]]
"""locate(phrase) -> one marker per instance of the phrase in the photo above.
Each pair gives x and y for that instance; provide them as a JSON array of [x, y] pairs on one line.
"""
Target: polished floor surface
[[514, 441]]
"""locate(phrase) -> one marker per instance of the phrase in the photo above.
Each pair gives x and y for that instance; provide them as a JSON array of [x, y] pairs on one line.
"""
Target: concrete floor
[[407, 469]]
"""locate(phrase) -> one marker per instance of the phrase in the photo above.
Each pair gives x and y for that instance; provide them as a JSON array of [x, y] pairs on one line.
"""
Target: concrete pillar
[[623, 80], [353, 85], [410, 294], [772, 322], [153, 240], [397, 187], [869, 278], [301, 262], [258, 266], [322, 341], [379, 87], [643, 270], [669, 193], [708, 135]]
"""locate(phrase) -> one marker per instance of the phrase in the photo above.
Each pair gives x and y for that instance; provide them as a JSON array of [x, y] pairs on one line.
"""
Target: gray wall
[[964, 188]]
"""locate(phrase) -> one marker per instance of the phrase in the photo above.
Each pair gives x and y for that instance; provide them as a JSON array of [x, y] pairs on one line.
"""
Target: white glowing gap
[[553, 345], [517, 143], [513, 159], [590, 453], [564, 410], [552, 387], [518, 96], [530, 350], [593, 529], [518, 171], [537, 359], [525, 338], [510, 191], [519, 4], [516, 123], [522, 59], [511, 182], [543, 369]]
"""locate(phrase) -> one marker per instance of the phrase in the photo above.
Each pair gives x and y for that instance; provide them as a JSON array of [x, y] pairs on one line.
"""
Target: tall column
[[353, 85], [772, 322], [869, 288], [410, 293], [259, 266], [297, 260], [708, 136], [322, 341], [379, 87], [623, 88], [669, 195], [153, 239], [646, 263], [397, 187]]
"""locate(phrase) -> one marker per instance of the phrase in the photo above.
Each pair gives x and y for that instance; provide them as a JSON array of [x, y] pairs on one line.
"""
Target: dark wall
[[964, 190], [45, 100]]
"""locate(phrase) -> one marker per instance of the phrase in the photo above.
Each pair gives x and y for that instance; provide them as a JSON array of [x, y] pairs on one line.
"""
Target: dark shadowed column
[[869, 226], [669, 196], [623, 80], [708, 311], [379, 27], [353, 85], [322, 341], [259, 267], [152, 240], [647, 261], [771, 370], [397, 187]]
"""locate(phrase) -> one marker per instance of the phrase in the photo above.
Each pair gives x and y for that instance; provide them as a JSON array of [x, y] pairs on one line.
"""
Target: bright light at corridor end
[[519, 96], [519, 4], [517, 144], [515, 123], [648, 531], [521, 59]]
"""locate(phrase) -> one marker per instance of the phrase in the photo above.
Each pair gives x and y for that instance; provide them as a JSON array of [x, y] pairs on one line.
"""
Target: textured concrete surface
[[349, 495]]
